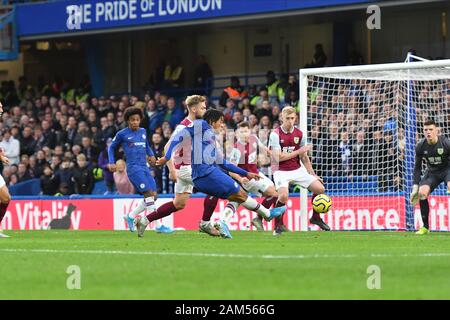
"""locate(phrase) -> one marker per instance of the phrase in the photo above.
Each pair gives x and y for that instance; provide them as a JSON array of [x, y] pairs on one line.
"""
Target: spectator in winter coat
[[49, 182], [65, 175], [83, 176]]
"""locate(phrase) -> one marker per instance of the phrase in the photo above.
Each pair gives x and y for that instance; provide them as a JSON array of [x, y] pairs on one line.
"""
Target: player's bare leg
[[317, 188], [424, 192], [5, 198], [242, 198], [270, 199]]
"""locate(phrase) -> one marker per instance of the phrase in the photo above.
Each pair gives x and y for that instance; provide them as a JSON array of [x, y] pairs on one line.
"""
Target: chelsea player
[[209, 172], [138, 153]]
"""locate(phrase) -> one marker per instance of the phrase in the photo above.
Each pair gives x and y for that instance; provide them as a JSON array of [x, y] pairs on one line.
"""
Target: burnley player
[[435, 149], [209, 167], [245, 156], [288, 153], [180, 171], [5, 197], [138, 154]]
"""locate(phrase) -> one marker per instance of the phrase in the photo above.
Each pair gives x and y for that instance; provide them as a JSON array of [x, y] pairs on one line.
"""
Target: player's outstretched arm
[[228, 166], [238, 177]]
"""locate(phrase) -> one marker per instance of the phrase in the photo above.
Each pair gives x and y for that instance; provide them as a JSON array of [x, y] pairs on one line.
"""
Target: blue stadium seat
[[99, 187], [27, 188]]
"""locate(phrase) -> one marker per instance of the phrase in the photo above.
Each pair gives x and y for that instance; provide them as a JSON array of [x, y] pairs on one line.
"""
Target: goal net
[[363, 123]]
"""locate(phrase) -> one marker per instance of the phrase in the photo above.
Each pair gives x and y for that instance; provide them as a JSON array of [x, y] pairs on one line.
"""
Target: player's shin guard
[[209, 205], [140, 208], [252, 204], [269, 201], [150, 205], [424, 211], [315, 214], [163, 211], [228, 212], [279, 220]]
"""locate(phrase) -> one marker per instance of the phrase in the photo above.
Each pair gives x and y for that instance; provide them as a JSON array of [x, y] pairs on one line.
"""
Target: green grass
[[300, 265]]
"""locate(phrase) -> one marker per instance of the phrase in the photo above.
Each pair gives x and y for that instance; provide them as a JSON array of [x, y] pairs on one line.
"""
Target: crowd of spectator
[[60, 134]]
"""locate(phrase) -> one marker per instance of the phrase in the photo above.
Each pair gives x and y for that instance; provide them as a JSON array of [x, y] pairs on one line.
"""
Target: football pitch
[[191, 265]]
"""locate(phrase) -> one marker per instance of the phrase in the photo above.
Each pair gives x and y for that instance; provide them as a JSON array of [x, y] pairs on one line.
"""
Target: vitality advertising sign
[[347, 213]]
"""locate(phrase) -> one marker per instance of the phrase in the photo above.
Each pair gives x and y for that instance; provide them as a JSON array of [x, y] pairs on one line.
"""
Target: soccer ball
[[322, 203]]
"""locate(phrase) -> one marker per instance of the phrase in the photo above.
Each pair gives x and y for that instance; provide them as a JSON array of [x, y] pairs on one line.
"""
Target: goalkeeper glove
[[414, 197]]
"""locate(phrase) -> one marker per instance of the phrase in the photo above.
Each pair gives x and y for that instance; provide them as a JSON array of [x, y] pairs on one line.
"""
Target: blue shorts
[[141, 179], [217, 184]]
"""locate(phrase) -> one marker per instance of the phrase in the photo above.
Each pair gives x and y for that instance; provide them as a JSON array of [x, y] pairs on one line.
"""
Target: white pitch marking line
[[226, 255]]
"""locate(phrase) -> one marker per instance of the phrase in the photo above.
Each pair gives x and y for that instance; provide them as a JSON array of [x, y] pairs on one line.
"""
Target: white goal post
[[364, 122]]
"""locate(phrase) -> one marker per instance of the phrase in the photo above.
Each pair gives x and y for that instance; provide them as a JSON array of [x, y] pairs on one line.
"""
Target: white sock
[[140, 208], [150, 205], [252, 204], [228, 212], [235, 204]]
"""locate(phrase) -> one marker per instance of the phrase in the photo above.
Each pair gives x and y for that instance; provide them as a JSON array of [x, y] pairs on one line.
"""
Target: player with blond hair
[[291, 165]]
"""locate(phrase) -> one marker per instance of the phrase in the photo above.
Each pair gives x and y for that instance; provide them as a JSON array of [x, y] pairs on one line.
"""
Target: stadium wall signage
[[75, 16], [372, 213]]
